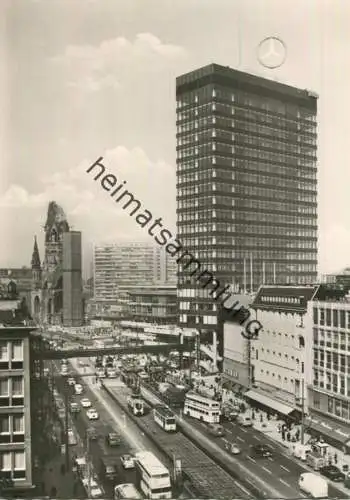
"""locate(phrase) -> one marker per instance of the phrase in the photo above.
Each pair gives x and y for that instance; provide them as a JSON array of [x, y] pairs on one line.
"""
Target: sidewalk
[[270, 427], [58, 485]]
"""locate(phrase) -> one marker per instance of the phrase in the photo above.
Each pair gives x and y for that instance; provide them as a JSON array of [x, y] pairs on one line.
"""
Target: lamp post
[[87, 458], [302, 412]]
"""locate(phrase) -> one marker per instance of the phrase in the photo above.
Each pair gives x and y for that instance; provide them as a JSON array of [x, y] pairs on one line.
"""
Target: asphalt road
[[279, 471], [111, 418]]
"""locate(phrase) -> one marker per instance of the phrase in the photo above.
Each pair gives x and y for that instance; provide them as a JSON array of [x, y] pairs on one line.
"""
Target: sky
[[81, 79]]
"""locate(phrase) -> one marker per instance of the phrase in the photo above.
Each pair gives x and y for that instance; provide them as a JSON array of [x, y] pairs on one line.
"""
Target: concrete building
[[126, 265], [16, 412], [329, 372], [72, 279], [280, 355], [23, 278], [153, 304], [246, 186]]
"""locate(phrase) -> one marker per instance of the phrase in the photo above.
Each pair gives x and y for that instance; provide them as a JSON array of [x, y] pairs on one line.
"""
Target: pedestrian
[[335, 458], [63, 469], [288, 436], [53, 492]]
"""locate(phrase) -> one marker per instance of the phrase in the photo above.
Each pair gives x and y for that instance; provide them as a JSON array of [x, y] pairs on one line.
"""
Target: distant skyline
[[82, 79]]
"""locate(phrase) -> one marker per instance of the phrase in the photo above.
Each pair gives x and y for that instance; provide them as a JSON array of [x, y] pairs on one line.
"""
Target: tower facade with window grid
[[15, 408], [246, 185]]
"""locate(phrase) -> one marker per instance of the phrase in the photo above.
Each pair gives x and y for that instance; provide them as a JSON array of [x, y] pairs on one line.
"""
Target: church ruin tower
[[52, 274]]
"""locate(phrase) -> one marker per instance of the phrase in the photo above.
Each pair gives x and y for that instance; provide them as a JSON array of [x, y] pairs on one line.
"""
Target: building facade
[[127, 265], [72, 279], [48, 289], [157, 304], [16, 412], [329, 377], [275, 362], [246, 185]]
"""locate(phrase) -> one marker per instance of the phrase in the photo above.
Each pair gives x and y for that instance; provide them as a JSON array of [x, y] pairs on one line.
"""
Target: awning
[[269, 402]]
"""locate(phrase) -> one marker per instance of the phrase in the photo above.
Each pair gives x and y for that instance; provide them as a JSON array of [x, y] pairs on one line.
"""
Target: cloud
[[92, 68], [88, 206]]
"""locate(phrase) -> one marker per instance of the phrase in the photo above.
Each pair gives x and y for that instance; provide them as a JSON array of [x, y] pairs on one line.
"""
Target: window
[[17, 350], [4, 387], [17, 386], [5, 461], [4, 353], [19, 460], [4, 424], [18, 424]]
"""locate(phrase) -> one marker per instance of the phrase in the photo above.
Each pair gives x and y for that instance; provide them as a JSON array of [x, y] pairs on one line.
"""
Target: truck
[[313, 485], [315, 460], [108, 469], [301, 451]]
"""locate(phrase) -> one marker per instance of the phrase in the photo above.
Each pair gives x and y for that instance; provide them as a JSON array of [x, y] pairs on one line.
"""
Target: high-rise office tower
[[72, 279], [246, 184]]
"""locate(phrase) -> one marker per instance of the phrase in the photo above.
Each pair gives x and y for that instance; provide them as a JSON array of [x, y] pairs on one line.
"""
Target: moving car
[[92, 433], [232, 448], [113, 439], [92, 414], [261, 450], [127, 461], [216, 430], [108, 469], [85, 403], [71, 381], [333, 473]]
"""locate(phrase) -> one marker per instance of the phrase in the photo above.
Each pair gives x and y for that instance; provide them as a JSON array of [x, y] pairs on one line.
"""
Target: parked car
[[127, 461], [333, 473], [113, 439], [261, 450], [92, 414]]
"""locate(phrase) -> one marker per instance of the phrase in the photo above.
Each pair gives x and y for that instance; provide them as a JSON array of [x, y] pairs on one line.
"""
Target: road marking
[[242, 487], [240, 439], [285, 468], [243, 430], [255, 437], [269, 458], [228, 430], [284, 482], [267, 470], [252, 459]]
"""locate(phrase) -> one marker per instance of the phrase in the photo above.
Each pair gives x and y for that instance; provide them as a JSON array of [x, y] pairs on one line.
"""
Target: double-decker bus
[[126, 491], [165, 418], [202, 408], [152, 476]]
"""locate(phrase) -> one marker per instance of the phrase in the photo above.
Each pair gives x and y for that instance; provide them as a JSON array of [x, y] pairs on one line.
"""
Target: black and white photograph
[[175, 251]]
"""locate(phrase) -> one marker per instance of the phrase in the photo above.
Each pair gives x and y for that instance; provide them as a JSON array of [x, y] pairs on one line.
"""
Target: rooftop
[[226, 76], [289, 299]]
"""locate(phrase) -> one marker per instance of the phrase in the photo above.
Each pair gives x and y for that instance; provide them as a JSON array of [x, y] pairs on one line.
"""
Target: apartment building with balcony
[[153, 304]]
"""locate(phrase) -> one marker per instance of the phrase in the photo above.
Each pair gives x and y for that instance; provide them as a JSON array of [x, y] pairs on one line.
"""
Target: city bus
[[126, 491], [165, 418], [202, 408], [152, 476]]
